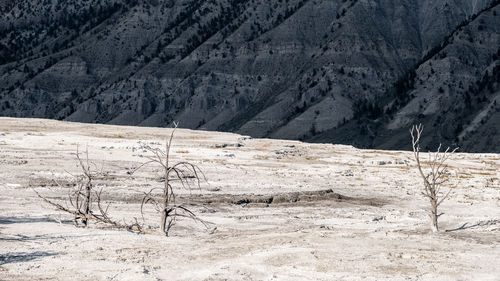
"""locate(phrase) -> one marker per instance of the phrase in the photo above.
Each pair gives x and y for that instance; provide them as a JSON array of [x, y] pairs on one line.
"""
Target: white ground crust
[[380, 233]]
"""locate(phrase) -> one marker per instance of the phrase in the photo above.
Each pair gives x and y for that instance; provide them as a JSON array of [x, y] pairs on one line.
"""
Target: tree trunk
[[434, 216], [163, 222], [88, 189], [164, 214]]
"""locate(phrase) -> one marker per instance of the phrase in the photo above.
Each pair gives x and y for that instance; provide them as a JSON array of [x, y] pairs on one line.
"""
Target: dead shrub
[[436, 176], [182, 174], [84, 198]]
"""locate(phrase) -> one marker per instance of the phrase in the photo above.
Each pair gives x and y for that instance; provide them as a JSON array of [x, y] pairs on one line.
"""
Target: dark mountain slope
[[358, 72]]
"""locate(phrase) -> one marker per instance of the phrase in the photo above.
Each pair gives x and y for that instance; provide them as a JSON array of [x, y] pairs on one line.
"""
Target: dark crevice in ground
[[317, 196]]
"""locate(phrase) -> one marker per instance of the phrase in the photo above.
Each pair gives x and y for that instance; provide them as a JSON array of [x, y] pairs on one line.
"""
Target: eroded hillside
[[356, 71]]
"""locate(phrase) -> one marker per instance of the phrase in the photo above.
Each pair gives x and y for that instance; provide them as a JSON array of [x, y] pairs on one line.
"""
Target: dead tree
[[84, 200], [183, 174], [436, 176]]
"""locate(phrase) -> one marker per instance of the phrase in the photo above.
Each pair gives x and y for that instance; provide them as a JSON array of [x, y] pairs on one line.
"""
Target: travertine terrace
[[375, 228]]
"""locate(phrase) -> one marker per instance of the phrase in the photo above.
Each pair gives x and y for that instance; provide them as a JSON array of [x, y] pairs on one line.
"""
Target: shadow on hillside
[[23, 256]]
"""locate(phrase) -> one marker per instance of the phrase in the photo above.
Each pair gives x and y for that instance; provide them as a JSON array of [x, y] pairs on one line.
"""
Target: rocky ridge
[[344, 71]]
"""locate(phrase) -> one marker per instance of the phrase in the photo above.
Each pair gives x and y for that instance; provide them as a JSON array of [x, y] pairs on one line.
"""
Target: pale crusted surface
[[378, 231]]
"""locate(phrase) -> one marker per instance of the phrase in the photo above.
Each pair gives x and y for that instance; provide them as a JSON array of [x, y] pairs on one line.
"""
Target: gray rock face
[[345, 71]]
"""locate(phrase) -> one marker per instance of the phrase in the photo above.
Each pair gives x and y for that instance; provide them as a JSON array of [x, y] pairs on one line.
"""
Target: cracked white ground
[[378, 230]]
